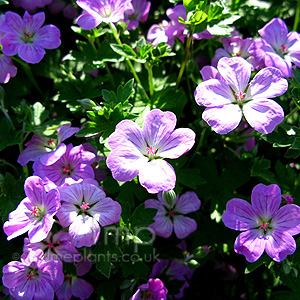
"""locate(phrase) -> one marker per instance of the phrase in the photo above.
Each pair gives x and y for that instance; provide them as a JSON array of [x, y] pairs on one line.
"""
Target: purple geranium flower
[[172, 217], [74, 286], [27, 38], [7, 68], [32, 277], [141, 151], [154, 289], [31, 5], [85, 206], [229, 98], [278, 48], [137, 12], [265, 225], [48, 150], [35, 213], [97, 11], [73, 166]]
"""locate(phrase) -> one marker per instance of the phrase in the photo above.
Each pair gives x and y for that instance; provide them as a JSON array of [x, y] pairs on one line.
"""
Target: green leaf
[[126, 51], [89, 129], [264, 259], [39, 113], [8, 136], [49, 128], [142, 217], [260, 169], [190, 177], [3, 2], [126, 91]]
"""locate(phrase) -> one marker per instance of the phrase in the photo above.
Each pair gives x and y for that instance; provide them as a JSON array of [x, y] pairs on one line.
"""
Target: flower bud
[[193, 264], [169, 197], [87, 103], [201, 252]]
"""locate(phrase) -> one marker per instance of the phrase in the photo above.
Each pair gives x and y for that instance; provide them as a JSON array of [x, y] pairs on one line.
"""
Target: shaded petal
[[188, 202], [65, 132], [43, 290], [266, 200], [157, 175], [183, 226], [40, 230], [219, 53], [280, 244], [72, 194], [239, 215], [81, 288], [67, 214], [52, 157], [236, 72], [179, 142], [31, 53], [27, 290], [209, 72], [87, 21], [213, 92], [31, 153], [267, 83], [162, 226], [152, 203], [14, 274], [35, 191], [223, 119], [92, 193], [48, 37], [251, 244], [273, 59], [263, 114], [64, 292], [10, 43]]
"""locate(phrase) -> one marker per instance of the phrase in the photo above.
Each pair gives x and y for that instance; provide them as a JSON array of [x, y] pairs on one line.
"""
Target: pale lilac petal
[[72, 194], [263, 114], [13, 23], [52, 202], [52, 157], [65, 132], [92, 193], [40, 230], [8, 69], [35, 191], [106, 211], [33, 22], [236, 72], [48, 37], [188, 202], [13, 274], [81, 288], [43, 290], [219, 53], [67, 214], [251, 244], [267, 83], [84, 231], [31, 53], [162, 226], [183, 226], [239, 215], [275, 60], [213, 92], [27, 290], [223, 119], [279, 244], [209, 72], [179, 142], [31, 153], [157, 175], [87, 21], [266, 200]]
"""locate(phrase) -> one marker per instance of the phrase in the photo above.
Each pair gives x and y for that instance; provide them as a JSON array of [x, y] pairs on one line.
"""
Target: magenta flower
[[154, 289], [141, 151], [97, 11], [74, 286], [73, 166], [35, 213], [137, 12], [86, 206], [265, 226], [48, 150], [27, 38], [278, 48], [7, 68], [31, 5], [169, 218], [229, 98], [32, 277]]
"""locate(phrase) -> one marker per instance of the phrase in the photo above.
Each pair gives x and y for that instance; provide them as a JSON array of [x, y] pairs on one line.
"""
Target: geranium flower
[[35, 213], [265, 226], [229, 98], [278, 48], [153, 289], [7, 68], [27, 38], [73, 166], [137, 12], [48, 150], [32, 277], [97, 11], [141, 151], [84, 207], [172, 217]]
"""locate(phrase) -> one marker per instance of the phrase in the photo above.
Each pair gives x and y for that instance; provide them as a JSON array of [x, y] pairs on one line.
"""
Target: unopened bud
[[169, 197], [87, 103], [193, 264], [201, 252]]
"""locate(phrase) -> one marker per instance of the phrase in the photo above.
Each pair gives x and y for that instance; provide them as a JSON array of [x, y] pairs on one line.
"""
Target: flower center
[[284, 48], [240, 95], [263, 225], [50, 245], [67, 169], [151, 152], [32, 274], [35, 211], [172, 213], [27, 37], [85, 206], [105, 11]]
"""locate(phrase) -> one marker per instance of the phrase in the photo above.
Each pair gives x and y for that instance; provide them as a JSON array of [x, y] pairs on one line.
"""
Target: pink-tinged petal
[[35, 191], [24, 291], [92, 193], [40, 230], [10, 43], [183, 226], [65, 132], [158, 126], [64, 292], [106, 211], [287, 219], [48, 37], [72, 194], [81, 288], [130, 132], [263, 114], [188, 202], [223, 119], [267, 83], [14, 274], [31, 53], [67, 214], [251, 244], [162, 226], [275, 60], [218, 55], [157, 175], [84, 231], [236, 72], [179, 142], [275, 32], [83, 171], [209, 72], [87, 21], [52, 157], [279, 244], [125, 163], [213, 92], [239, 215], [266, 200]]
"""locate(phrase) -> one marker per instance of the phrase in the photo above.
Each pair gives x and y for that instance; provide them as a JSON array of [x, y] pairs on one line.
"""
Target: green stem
[[200, 144], [150, 79], [297, 16], [111, 78], [187, 48], [290, 114]]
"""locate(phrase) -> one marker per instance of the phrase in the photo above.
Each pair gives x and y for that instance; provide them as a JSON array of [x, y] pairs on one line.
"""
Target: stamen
[[50, 245], [151, 150], [51, 141], [240, 95], [67, 169], [84, 206], [284, 48], [172, 213], [35, 211], [263, 225], [31, 275]]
